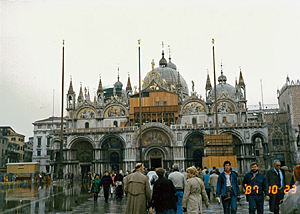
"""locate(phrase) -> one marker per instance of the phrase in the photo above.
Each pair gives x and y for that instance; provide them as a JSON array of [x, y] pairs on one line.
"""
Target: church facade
[[103, 133]]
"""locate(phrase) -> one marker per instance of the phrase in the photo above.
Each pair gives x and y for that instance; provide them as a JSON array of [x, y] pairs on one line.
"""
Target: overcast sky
[[261, 37]]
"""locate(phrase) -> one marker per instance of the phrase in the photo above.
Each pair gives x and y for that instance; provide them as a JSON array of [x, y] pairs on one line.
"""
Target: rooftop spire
[[208, 84], [80, 96], [241, 80], [128, 87], [71, 91], [100, 89], [178, 80]]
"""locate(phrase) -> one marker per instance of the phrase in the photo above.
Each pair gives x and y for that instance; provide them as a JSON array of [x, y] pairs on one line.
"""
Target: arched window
[[87, 125], [116, 123]]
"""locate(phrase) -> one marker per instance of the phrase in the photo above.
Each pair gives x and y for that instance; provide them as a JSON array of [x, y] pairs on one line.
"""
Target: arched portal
[[82, 152], [194, 148], [155, 157], [260, 149], [112, 154]]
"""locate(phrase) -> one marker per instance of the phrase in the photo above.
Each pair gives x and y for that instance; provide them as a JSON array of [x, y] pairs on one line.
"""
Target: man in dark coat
[[106, 181], [163, 198], [276, 181], [256, 186]]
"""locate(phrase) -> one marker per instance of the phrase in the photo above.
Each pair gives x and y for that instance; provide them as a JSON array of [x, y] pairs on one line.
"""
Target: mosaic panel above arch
[[155, 137], [225, 107], [86, 113], [112, 142], [115, 111], [193, 108]]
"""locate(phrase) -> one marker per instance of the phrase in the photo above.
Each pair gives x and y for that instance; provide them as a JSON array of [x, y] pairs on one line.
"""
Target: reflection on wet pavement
[[67, 198], [46, 198]]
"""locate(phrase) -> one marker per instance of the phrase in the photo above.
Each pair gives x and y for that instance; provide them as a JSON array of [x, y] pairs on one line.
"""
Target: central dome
[[168, 76]]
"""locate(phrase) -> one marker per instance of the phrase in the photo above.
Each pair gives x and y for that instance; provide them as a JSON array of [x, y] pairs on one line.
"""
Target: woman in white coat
[[193, 192], [291, 201]]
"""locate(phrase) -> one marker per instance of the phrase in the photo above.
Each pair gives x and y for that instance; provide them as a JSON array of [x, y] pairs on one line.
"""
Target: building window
[[39, 141], [194, 121], [277, 139], [13, 139], [48, 142], [116, 123], [38, 153], [39, 126], [87, 125], [49, 152]]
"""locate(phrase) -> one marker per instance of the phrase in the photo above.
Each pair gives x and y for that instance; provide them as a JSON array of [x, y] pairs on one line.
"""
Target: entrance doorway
[[155, 158], [85, 169], [156, 162]]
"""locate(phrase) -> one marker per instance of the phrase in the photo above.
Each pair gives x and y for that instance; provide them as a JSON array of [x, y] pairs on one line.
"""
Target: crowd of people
[[173, 191]]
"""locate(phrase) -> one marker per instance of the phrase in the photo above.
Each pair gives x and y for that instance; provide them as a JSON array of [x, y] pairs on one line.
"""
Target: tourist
[[194, 191], [163, 198], [138, 191], [228, 189]]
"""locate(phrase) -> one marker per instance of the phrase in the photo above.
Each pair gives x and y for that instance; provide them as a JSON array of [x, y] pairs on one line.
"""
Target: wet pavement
[[67, 198]]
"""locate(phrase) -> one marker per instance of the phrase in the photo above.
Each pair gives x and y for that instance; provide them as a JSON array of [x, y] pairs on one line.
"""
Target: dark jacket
[[106, 181], [221, 185], [272, 178], [163, 197], [259, 180]]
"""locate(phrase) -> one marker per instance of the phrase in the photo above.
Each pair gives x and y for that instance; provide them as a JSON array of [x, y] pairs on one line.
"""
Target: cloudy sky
[[260, 36]]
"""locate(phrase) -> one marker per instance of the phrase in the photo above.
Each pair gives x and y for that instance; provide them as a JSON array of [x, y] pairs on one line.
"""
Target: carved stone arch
[[117, 110], [229, 101], [81, 149], [234, 133], [105, 137], [191, 133], [194, 148], [163, 150], [260, 148], [159, 126], [205, 108], [77, 139]]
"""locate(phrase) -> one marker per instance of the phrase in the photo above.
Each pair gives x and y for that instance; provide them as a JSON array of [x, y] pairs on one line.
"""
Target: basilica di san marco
[[102, 133]]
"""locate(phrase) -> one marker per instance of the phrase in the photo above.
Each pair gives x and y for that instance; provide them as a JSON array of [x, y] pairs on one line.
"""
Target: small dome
[[163, 62], [229, 90]]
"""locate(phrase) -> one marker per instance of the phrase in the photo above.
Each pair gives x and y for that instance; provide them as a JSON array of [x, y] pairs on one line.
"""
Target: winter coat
[[96, 185], [163, 197], [291, 201], [192, 197], [213, 179], [106, 181], [221, 185], [138, 192]]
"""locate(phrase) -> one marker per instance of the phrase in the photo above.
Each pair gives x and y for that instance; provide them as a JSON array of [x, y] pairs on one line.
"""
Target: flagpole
[[60, 172], [215, 86], [140, 103]]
